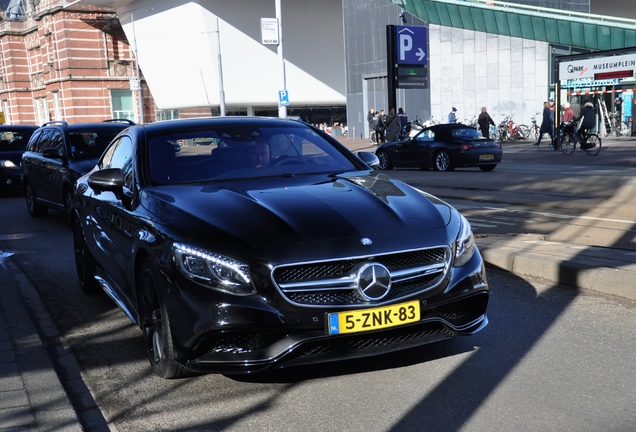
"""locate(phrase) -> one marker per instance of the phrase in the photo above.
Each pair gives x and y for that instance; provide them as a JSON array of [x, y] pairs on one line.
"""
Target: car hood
[[300, 210]]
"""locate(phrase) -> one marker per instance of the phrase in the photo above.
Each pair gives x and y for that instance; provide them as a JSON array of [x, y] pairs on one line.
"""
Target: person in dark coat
[[484, 121], [393, 126], [546, 124], [588, 114]]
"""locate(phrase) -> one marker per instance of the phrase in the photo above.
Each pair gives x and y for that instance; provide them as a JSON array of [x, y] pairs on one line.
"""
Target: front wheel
[[442, 161], [568, 144], [155, 325], [523, 131], [593, 146], [85, 264], [385, 160]]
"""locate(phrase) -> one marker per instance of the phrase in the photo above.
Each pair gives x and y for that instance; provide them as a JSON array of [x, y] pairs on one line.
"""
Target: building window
[[167, 114], [123, 104]]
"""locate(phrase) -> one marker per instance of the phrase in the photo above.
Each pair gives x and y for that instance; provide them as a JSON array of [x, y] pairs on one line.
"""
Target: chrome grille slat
[[333, 283]]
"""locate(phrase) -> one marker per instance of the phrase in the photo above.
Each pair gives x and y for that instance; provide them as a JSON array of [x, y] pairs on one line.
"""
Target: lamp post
[[139, 95], [282, 109]]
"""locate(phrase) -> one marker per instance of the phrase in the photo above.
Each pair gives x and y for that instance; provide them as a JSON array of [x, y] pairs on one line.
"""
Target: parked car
[[59, 153], [13, 142], [442, 147], [239, 244]]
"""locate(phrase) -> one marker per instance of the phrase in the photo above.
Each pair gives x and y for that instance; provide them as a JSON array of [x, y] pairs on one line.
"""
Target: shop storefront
[[608, 80]]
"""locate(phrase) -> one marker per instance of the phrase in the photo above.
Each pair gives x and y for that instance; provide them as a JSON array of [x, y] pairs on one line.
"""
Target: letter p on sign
[[406, 44]]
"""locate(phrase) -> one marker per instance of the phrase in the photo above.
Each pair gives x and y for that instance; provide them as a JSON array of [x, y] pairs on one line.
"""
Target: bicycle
[[534, 129], [568, 140]]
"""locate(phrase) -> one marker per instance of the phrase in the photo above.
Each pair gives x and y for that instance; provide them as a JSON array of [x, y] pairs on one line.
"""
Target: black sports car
[[239, 244], [442, 147]]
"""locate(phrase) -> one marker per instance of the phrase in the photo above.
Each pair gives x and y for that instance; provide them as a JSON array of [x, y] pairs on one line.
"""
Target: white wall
[[177, 50], [471, 69]]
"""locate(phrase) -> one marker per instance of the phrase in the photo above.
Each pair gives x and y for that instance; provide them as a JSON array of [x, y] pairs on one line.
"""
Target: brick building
[[70, 63]]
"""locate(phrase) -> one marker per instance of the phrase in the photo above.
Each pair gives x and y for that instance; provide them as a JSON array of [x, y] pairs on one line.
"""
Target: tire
[[523, 131], [568, 144], [35, 209], [487, 167], [155, 325], [373, 138], [534, 133], [85, 264], [442, 161], [385, 160], [593, 144]]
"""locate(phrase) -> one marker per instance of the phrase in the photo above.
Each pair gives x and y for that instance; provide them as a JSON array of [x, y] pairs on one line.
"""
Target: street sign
[[269, 31], [283, 98], [411, 45]]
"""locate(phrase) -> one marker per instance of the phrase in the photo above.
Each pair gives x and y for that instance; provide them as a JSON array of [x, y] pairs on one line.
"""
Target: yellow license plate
[[486, 157], [374, 319]]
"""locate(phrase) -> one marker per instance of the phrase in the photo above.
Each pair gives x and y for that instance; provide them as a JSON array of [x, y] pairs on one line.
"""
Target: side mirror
[[107, 180], [53, 153], [369, 158]]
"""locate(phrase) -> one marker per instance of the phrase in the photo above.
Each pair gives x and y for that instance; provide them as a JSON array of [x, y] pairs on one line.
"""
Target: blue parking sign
[[412, 45], [283, 98]]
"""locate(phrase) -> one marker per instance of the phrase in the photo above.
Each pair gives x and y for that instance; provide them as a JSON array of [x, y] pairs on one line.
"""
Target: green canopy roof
[[592, 32]]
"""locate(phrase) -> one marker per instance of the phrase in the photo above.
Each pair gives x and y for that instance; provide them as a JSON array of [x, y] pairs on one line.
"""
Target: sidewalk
[[33, 395]]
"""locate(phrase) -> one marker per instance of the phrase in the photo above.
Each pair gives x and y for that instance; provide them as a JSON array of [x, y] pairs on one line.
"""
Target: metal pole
[[221, 89], [282, 109], [139, 95]]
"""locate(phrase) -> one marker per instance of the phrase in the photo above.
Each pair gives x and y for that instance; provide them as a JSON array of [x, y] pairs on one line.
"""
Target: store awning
[[586, 31]]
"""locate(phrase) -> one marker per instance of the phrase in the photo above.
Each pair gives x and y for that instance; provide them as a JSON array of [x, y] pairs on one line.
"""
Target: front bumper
[[254, 333]]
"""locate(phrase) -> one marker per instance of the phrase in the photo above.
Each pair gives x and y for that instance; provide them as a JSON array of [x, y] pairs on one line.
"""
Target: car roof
[[83, 126], [18, 127]]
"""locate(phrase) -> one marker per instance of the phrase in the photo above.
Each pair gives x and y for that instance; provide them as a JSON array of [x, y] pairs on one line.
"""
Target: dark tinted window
[[57, 142], [119, 155], [91, 143], [43, 141], [14, 140]]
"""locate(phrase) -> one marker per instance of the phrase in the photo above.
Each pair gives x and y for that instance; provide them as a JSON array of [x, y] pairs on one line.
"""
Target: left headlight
[[6, 163], [213, 270], [465, 243]]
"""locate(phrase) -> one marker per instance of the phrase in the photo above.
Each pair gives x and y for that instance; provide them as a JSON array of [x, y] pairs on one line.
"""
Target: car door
[[417, 152], [113, 225], [33, 162], [54, 168]]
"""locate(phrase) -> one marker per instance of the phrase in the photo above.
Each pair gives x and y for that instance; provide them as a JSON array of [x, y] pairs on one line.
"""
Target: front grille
[[334, 283]]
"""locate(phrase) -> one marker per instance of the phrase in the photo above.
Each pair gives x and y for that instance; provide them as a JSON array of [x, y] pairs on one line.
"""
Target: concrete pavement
[[41, 388]]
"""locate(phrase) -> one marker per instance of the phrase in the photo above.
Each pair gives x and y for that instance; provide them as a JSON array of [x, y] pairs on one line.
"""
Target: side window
[[426, 136], [34, 140], [57, 142], [119, 155], [43, 142]]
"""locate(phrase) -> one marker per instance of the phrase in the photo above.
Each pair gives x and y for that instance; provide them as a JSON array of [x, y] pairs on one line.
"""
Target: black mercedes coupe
[[239, 244], [442, 147]]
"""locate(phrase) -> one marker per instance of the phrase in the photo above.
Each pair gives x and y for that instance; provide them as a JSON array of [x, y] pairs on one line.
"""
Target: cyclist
[[588, 114]]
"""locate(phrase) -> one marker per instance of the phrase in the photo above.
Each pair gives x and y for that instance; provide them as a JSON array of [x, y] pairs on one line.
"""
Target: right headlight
[[465, 243], [213, 270]]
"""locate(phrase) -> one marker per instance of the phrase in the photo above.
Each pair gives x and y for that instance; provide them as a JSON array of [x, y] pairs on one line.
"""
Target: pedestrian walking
[[546, 125], [372, 119], [392, 126], [380, 127], [568, 113], [484, 121]]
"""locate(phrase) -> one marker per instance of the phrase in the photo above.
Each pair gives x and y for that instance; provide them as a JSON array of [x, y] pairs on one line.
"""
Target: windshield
[[241, 153]]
